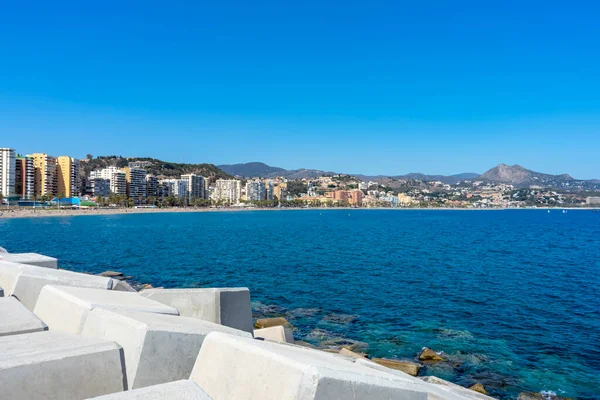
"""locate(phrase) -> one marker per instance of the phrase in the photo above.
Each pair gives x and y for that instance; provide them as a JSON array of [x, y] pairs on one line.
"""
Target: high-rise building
[[7, 172], [228, 190], [24, 177], [255, 190], [196, 186], [45, 175], [136, 184], [98, 187], [280, 191], [269, 190], [117, 178], [67, 177], [151, 186]]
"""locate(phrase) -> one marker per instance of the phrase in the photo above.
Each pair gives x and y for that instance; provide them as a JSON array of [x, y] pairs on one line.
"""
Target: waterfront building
[[164, 188], [135, 179], [67, 177], [404, 200], [98, 187], [24, 177], [7, 172], [196, 186], [353, 197], [151, 186], [269, 190], [592, 201], [117, 178], [44, 174], [174, 187], [280, 191], [255, 190], [228, 190]]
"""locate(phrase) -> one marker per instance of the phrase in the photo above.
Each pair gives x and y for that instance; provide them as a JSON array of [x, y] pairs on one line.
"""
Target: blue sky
[[361, 87]]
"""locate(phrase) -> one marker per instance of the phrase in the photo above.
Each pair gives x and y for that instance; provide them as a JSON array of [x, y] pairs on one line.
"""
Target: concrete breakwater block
[[158, 348], [65, 309], [232, 367], [457, 390], [37, 260], [53, 365], [179, 390], [25, 281], [16, 319], [225, 306], [276, 333]]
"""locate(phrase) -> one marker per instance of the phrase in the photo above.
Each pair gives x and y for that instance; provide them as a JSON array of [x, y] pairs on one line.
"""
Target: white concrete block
[[158, 348], [225, 306], [276, 333], [66, 308], [38, 260], [179, 390], [232, 367], [25, 281], [16, 319], [458, 392], [53, 365]]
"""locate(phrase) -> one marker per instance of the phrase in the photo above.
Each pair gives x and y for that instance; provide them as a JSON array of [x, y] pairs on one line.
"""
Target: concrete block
[[25, 281], [37, 260], [179, 390], [225, 306], [456, 390], [16, 319], [232, 367], [65, 309], [53, 365], [122, 286], [276, 333], [158, 348]]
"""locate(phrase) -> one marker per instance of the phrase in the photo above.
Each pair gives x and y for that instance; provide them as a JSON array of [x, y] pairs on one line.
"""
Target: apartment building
[[116, 177], [151, 186], [255, 190], [228, 190], [45, 179], [67, 177], [135, 187], [196, 186], [24, 177], [98, 187], [7, 172]]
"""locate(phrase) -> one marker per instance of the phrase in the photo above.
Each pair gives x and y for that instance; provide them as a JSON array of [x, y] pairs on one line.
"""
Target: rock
[[123, 286], [408, 367], [346, 352], [540, 396], [276, 333], [478, 387], [305, 344], [328, 350], [429, 355], [343, 343], [269, 322], [111, 274], [145, 286]]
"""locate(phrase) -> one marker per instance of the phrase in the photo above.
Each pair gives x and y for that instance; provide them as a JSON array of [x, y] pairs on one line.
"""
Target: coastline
[[69, 212]]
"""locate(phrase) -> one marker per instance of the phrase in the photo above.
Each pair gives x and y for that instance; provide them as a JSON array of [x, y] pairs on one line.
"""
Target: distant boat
[[548, 211], [564, 211]]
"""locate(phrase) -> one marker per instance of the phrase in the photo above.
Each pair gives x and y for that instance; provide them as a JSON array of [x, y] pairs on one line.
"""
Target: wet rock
[[349, 344], [341, 319], [408, 367], [111, 274], [335, 351], [305, 312], [305, 344], [540, 396], [346, 352], [478, 387], [269, 322], [429, 355]]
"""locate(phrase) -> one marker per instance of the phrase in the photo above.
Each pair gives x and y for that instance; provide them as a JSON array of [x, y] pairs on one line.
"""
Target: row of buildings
[[37, 175]]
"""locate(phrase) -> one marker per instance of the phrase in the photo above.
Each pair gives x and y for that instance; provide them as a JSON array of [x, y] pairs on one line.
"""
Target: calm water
[[512, 296]]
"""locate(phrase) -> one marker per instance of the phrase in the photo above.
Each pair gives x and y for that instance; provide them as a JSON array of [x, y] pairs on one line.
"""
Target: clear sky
[[373, 87]]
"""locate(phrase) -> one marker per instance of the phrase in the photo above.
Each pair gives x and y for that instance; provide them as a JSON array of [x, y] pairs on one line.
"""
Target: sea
[[512, 297]]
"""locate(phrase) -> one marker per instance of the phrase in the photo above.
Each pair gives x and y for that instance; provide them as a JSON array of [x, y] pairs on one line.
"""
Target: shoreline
[[68, 212]]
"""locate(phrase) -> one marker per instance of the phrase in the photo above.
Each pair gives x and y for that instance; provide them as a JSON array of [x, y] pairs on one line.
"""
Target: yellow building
[[44, 174], [67, 176], [280, 191], [404, 200]]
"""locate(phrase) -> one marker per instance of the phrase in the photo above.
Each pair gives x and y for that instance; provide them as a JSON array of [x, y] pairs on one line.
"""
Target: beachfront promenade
[[68, 335]]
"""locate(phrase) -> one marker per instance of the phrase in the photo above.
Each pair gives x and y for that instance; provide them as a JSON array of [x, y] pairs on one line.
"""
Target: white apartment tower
[[228, 190], [7, 172], [117, 178], [196, 186]]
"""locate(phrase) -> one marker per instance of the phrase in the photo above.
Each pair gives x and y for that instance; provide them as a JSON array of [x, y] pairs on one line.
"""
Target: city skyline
[[381, 89]]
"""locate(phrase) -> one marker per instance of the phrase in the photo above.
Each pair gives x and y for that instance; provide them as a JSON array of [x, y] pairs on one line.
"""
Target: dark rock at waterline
[[111, 274], [429, 355], [540, 396], [344, 343], [270, 322]]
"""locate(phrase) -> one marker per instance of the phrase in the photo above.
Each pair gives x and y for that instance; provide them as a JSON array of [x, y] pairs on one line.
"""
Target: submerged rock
[[478, 387], [408, 367], [341, 319], [540, 396], [340, 343], [270, 322], [429, 355]]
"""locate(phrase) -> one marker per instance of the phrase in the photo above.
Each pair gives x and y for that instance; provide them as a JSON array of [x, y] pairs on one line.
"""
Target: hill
[[262, 170], [155, 167], [522, 177]]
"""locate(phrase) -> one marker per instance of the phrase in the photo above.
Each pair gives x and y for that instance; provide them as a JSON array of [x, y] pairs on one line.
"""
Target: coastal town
[[42, 180]]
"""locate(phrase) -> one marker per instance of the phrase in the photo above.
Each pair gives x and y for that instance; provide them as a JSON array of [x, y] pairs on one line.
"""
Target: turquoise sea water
[[513, 297]]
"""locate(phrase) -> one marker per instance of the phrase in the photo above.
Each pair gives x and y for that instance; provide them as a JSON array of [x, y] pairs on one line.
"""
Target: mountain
[[449, 179], [522, 177], [258, 169], [154, 166]]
